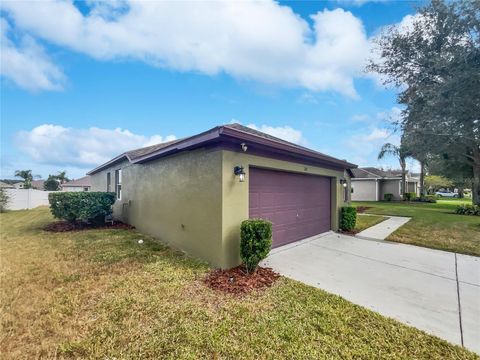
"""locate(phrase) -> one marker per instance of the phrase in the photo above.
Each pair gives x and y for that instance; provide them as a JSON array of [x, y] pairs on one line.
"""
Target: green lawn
[[366, 221], [98, 294], [432, 225]]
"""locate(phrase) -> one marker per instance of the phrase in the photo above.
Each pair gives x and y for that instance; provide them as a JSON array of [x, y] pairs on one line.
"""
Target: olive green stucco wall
[[235, 195], [176, 199], [194, 202]]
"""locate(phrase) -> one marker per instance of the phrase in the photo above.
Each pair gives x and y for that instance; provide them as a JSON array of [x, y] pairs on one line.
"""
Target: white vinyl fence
[[26, 198]]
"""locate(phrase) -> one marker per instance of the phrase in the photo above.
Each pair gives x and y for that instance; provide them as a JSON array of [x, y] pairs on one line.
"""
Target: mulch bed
[[64, 226], [361, 209], [236, 280]]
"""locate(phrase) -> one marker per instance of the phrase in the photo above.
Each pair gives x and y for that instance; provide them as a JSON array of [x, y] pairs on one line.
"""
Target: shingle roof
[[4, 185], [84, 181], [374, 173], [38, 184], [137, 153], [236, 131], [368, 173]]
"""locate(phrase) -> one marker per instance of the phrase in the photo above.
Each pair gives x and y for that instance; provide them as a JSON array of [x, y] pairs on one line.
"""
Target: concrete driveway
[[435, 291]]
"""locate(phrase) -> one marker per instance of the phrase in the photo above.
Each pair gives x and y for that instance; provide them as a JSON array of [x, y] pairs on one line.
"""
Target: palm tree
[[402, 154], [27, 177], [62, 177]]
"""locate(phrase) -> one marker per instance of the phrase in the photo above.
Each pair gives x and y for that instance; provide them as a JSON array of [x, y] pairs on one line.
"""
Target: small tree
[[402, 154], [4, 199], [61, 177], [435, 182], [27, 177], [256, 242], [51, 184]]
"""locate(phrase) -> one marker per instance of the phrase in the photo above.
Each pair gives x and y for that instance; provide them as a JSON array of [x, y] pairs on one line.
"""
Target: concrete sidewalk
[[435, 291], [383, 229]]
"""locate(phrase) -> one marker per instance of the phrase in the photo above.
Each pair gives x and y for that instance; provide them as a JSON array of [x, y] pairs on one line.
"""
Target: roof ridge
[[277, 139]]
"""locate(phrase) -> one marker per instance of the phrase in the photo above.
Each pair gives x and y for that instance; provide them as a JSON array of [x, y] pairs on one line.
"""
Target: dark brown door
[[298, 205]]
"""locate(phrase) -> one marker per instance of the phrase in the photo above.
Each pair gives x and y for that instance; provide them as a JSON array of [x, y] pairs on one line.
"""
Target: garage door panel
[[298, 205]]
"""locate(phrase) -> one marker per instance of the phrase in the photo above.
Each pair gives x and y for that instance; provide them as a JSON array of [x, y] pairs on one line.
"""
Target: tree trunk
[[476, 176], [403, 165], [422, 178]]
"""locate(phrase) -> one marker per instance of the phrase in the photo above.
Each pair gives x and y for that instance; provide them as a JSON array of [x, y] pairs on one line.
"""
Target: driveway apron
[[435, 291]]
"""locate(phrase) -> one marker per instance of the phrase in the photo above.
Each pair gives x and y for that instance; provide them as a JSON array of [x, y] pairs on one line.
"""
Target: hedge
[[348, 218], [81, 206], [410, 196], [465, 209], [388, 197], [255, 242]]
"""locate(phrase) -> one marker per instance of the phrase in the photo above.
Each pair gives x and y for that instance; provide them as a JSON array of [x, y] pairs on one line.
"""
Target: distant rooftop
[[84, 181]]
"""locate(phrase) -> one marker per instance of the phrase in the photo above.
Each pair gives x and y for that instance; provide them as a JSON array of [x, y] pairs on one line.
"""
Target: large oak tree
[[435, 63]]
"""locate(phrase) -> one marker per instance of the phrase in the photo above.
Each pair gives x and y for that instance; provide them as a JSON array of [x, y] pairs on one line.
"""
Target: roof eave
[[109, 163], [286, 147]]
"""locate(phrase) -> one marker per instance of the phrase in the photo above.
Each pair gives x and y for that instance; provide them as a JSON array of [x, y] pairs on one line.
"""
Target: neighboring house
[[18, 184], [371, 184], [82, 184], [38, 184], [4, 185], [193, 193]]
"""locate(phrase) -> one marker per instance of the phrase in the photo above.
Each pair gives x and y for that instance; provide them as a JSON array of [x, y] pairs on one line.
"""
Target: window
[[109, 182], [345, 194], [118, 183], [85, 188]]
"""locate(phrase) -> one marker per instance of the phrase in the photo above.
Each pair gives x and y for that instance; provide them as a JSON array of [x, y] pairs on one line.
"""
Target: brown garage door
[[298, 205]]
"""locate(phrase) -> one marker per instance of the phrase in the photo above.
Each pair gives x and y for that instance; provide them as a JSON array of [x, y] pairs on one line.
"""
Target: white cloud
[[392, 116], [360, 118], [27, 64], [283, 132], [258, 40], [358, 2], [364, 147], [84, 148]]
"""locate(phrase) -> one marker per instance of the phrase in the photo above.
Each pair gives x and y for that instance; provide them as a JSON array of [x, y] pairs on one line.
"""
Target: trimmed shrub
[[427, 198], [410, 196], [4, 200], [388, 197], [348, 218], [83, 206], [256, 242], [465, 209]]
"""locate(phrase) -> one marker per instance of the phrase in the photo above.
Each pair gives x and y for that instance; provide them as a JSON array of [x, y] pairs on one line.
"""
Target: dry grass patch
[[99, 294]]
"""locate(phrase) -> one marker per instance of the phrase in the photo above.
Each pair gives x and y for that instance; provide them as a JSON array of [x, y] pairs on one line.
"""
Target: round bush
[[255, 242], [348, 218]]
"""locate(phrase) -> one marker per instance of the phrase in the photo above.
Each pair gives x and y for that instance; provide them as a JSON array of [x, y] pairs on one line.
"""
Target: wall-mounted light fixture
[[343, 182], [240, 172], [244, 147]]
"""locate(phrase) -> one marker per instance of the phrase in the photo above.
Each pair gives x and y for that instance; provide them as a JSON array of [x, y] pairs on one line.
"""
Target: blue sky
[[82, 82]]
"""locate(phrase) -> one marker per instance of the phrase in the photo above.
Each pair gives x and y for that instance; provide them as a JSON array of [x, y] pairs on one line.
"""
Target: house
[[4, 185], [38, 184], [18, 184], [371, 184], [193, 193], [82, 184]]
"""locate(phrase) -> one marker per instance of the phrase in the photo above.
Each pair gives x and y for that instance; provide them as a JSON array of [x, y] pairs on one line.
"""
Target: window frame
[[118, 184], [109, 181]]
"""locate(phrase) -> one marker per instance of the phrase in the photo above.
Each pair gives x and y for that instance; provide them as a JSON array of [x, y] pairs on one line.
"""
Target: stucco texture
[[390, 187], [235, 195], [176, 199], [365, 190], [194, 202]]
